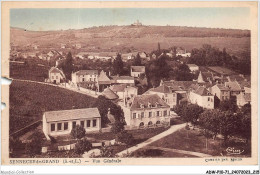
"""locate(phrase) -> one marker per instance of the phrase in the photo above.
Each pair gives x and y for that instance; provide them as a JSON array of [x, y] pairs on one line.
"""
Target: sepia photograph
[[131, 82]]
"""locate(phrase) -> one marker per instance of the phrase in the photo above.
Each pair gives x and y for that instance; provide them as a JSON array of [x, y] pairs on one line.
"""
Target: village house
[[136, 71], [220, 91], [84, 76], [193, 67], [137, 23], [103, 81], [146, 110], [123, 80], [234, 87], [243, 98], [165, 93], [123, 91], [128, 56], [82, 55], [182, 52], [201, 96], [78, 46], [143, 55], [56, 123], [62, 46], [56, 76]]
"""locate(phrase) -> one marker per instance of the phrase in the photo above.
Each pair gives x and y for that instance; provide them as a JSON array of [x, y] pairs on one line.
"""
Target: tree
[[82, 146], [67, 66], [106, 152], [35, 145], [104, 105], [210, 121], [193, 112], [78, 132], [229, 124], [181, 73], [118, 66], [117, 127], [125, 137], [137, 60], [245, 122], [228, 105]]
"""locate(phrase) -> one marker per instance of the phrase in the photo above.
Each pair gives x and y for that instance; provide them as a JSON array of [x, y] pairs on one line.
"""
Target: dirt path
[[172, 129], [197, 154]]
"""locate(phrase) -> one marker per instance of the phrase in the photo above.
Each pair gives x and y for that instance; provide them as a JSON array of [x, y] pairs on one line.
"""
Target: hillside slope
[[117, 38]]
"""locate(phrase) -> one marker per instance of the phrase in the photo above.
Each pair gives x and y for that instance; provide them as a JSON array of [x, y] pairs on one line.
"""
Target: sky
[[57, 19]]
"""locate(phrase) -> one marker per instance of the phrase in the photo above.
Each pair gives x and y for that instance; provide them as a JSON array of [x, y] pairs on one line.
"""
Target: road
[[171, 130]]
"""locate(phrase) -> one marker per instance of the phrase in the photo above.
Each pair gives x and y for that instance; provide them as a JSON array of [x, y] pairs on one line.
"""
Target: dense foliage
[[211, 56], [78, 132], [82, 146]]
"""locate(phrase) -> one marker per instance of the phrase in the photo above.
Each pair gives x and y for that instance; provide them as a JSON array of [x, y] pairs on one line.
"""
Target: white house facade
[[57, 123]]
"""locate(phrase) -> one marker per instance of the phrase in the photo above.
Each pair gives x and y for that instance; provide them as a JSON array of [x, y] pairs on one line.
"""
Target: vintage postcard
[[130, 83]]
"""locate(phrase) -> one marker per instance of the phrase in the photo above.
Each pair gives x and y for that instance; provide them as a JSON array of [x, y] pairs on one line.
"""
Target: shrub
[[78, 132], [35, 145], [82, 146], [117, 127], [125, 137]]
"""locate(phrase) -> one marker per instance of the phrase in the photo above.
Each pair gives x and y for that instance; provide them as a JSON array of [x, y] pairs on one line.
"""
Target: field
[[128, 38], [194, 141], [28, 72], [28, 101]]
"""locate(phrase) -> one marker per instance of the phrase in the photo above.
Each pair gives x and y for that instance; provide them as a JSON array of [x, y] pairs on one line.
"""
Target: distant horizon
[[53, 19], [122, 26]]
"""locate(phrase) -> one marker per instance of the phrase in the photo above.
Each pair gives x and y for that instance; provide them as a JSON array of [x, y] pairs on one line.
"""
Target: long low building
[[57, 123]]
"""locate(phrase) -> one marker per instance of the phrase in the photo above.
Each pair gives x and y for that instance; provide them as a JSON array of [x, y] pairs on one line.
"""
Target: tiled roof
[[192, 65], [122, 78], [103, 78], [138, 68], [152, 99], [222, 87], [56, 70], [74, 114], [179, 85], [109, 94], [244, 84], [162, 89], [221, 70], [247, 96], [87, 72], [118, 88], [202, 91], [233, 85]]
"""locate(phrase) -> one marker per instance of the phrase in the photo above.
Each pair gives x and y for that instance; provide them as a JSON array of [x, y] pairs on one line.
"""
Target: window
[[208, 99], [56, 77], [94, 79], [222, 97], [94, 123], [52, 77], [134, 115], [59, 126], [74, 124], [173, 95], [88, 123], [158, 113], [142, 114], [150, 114], [66, 126], [53, 127], [165, 113], [83, 79], [82, 123], [90, 79], [166, 95]]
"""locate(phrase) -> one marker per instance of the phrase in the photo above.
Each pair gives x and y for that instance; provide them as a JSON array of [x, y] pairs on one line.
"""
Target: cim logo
[[233, 150]]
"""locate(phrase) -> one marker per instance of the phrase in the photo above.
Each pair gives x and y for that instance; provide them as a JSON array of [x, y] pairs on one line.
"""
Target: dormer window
[[149, 105], [141, 105], [156, 104]]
